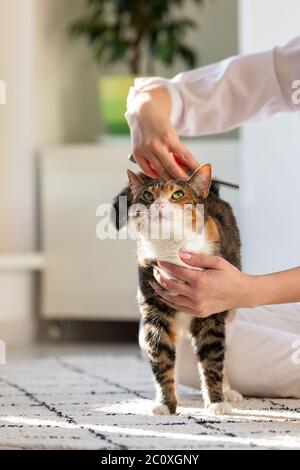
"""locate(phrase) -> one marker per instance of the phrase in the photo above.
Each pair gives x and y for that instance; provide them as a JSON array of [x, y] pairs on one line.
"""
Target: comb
[[222, 183]]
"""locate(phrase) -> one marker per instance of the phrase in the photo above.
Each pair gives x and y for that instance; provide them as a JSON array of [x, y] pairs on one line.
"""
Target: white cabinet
[[85, 278], [270, 154]]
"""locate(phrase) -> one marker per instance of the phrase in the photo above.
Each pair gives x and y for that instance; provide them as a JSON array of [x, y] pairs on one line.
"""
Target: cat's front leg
[[209, 342], [160, 341]]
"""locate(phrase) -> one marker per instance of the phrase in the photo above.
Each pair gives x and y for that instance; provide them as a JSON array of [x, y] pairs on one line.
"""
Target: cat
[[217, 233]]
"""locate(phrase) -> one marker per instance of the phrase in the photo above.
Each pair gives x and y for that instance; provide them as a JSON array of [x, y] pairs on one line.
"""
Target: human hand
[[154, 140], [219, 287]]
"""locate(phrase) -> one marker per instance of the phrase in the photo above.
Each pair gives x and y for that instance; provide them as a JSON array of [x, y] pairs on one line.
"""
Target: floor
[[68, 396], [45, 350]]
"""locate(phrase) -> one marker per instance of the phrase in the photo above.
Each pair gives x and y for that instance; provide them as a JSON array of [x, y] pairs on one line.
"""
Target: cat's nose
[[160, 206]]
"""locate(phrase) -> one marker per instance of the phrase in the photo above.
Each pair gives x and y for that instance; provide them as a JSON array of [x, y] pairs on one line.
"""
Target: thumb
[[201, 260]]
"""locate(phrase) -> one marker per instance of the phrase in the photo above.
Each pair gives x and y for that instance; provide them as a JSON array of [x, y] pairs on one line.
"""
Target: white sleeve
[[222, 96]]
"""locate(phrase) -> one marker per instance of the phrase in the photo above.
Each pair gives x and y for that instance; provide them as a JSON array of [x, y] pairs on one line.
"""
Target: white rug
[[103, 403]]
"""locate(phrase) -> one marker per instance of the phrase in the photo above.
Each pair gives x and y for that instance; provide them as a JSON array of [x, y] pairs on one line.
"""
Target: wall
[[218, 33], [66, 105], [271, 153], [16, 214], [52, 99]]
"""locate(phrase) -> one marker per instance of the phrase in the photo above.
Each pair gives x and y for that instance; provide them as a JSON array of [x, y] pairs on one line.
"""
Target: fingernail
[[185, 255]]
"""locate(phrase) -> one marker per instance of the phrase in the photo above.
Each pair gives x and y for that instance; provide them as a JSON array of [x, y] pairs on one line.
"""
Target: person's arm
[[209, 100], [154, 137], [278, 288], [221, 286]]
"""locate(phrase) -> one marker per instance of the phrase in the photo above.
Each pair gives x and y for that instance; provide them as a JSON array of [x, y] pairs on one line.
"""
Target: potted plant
[[136, 33]]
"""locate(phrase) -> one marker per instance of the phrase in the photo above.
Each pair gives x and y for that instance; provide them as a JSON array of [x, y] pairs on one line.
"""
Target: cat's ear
[[136, 183], [201, 180]]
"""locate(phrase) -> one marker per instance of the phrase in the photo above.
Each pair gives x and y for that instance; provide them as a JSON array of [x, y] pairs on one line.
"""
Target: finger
[[168, 162], [152, 168], [179, 300], [159, 289], [144, 166], [202, 260], [178, 308], [181, 152], [183, 274], [154, 163], [173, 286], [159, 168]]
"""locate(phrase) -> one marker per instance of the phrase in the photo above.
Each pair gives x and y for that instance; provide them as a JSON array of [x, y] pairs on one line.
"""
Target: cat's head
[[169, 206]]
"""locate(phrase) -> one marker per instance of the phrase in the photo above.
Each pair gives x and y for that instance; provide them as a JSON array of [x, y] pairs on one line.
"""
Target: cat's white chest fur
[[168, 250]]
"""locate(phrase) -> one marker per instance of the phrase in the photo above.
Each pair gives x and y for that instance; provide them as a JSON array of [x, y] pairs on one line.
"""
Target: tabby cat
[[217, 233]]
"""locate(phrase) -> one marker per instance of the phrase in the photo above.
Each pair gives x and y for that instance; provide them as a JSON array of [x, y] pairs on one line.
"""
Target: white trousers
[[263, 355]]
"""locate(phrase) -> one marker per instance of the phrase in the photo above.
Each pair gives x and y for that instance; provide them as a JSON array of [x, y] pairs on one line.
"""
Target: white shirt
[[222, 96]]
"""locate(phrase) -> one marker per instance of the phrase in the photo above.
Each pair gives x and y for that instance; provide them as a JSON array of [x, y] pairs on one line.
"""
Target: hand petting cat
[[155, 141], [219, 287]]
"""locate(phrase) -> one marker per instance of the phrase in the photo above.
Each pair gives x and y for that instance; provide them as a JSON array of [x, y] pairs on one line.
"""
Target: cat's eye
[[148, 196], [178, 195]]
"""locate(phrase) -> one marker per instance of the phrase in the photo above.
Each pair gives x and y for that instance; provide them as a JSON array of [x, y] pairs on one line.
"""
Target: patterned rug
[[104, 402]]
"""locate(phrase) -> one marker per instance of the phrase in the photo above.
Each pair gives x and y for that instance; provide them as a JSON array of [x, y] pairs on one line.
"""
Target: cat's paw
[[233, 396], [159, 409], [222, 408]]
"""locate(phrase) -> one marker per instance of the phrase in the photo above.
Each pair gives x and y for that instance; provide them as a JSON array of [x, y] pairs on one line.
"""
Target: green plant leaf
[[118, 30]]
